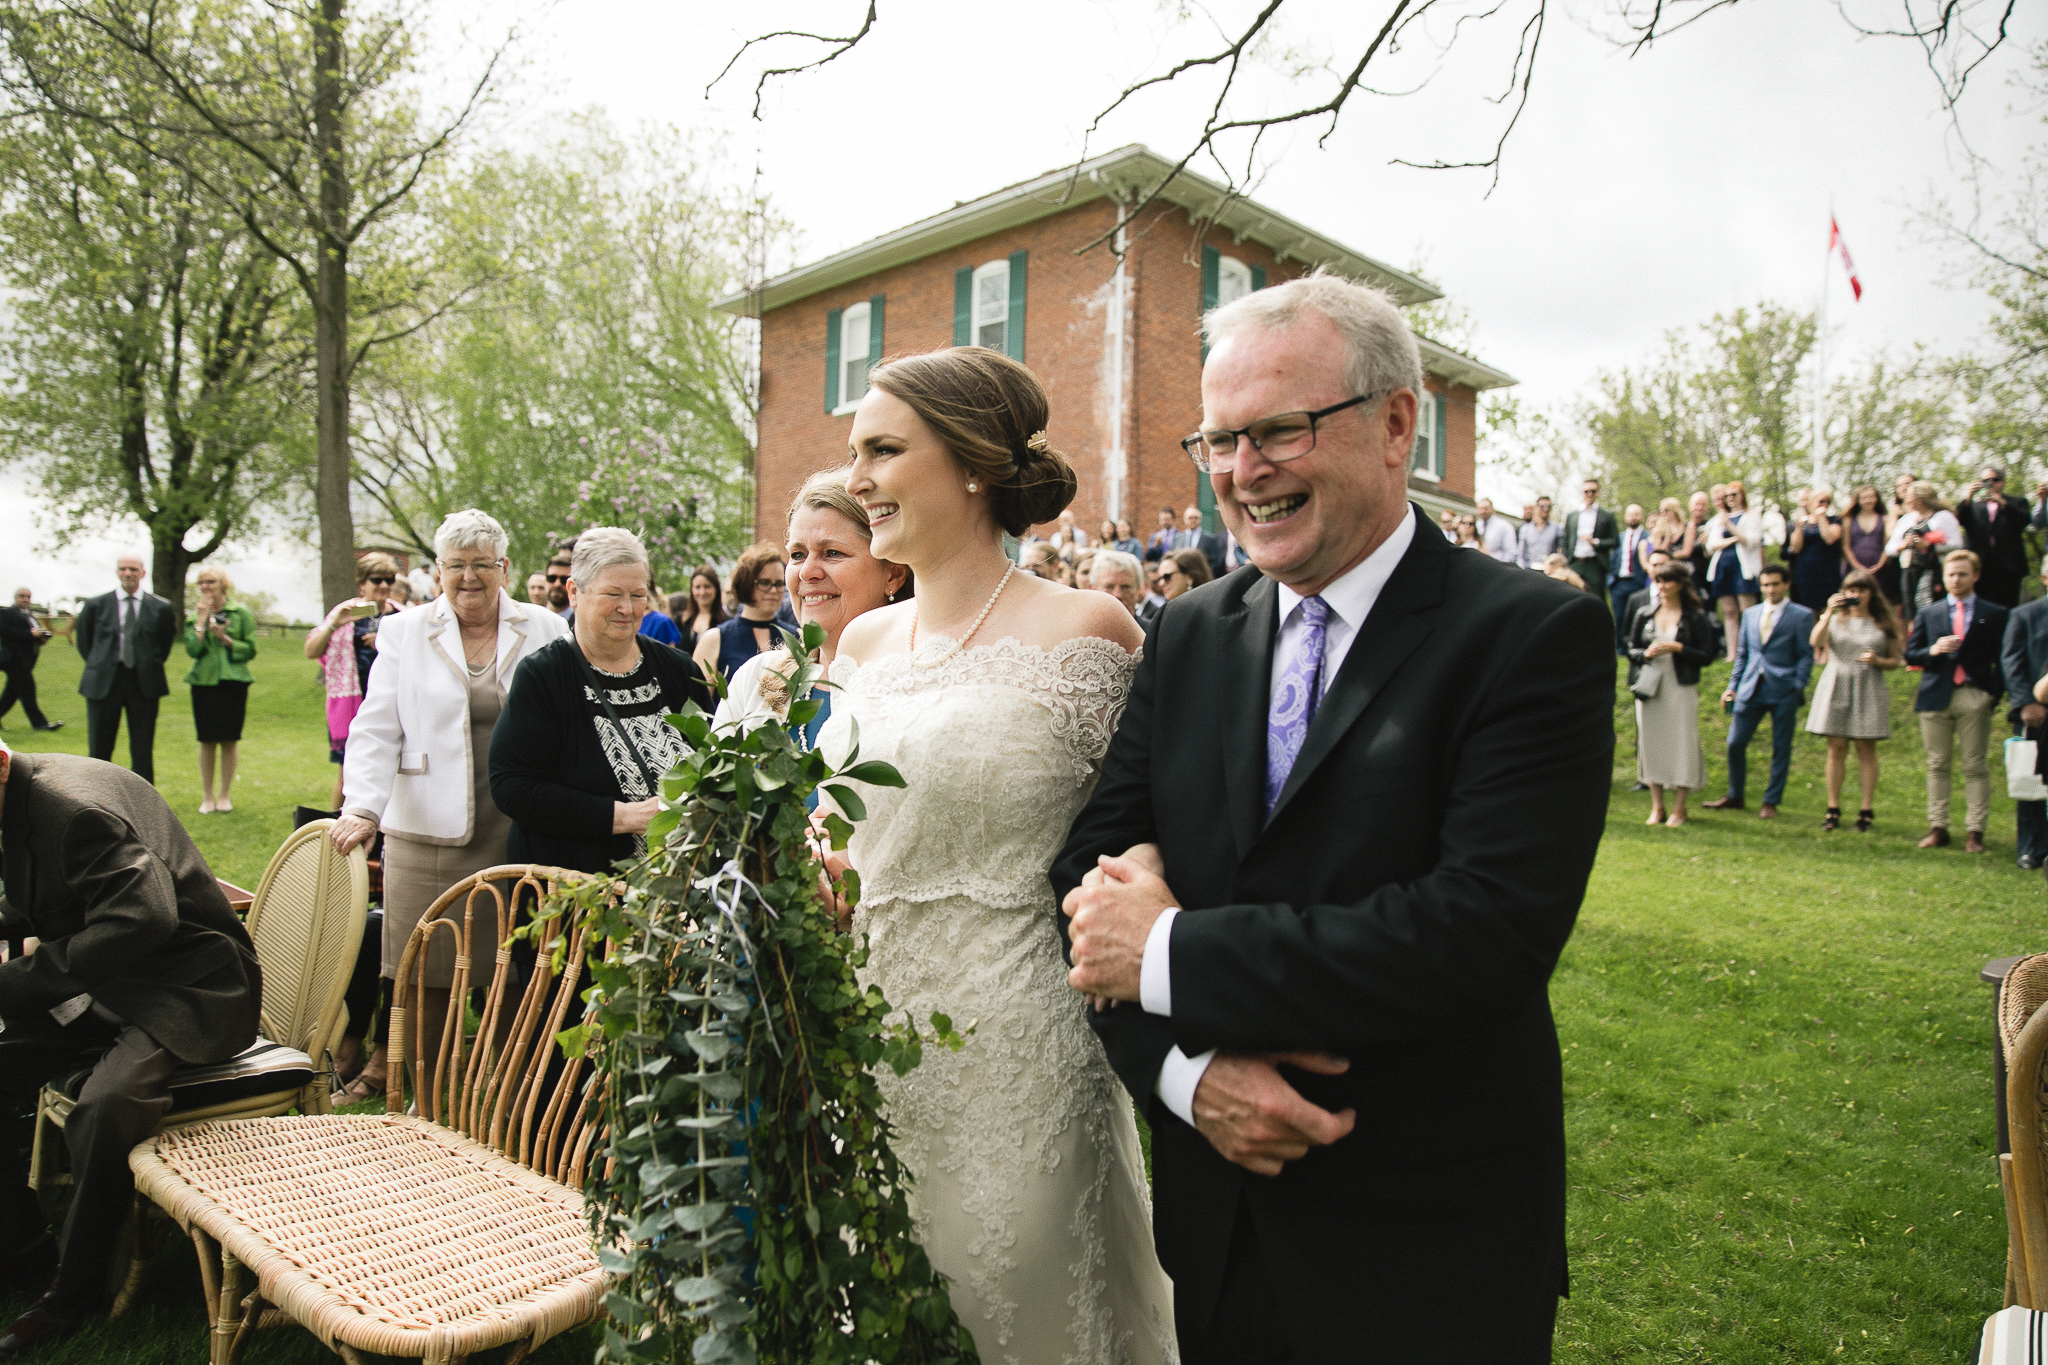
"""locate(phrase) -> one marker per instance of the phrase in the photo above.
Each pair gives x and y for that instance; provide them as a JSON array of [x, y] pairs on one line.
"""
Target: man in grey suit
[[2023, 659], [139, 966], [1588, 540], [1191, 536], [125, 636]]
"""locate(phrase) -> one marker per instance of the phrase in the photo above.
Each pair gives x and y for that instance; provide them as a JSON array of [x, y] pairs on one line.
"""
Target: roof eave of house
[[1123, 174], [1459, 368]]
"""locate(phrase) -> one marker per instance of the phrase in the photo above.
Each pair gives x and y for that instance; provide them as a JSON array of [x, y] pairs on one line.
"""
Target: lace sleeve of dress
[[1092, 681]]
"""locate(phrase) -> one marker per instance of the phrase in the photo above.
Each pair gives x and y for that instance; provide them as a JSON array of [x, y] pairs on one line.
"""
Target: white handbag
[[2022, 781]]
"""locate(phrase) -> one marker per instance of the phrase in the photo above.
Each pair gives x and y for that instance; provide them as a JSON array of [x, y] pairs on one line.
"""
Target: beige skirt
[[415, 875]]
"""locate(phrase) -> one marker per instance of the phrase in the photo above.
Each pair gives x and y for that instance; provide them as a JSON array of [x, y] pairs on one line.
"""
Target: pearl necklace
[[987, 607]]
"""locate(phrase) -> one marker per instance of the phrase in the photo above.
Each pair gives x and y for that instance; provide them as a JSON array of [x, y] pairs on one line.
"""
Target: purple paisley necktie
[[1294, 700]]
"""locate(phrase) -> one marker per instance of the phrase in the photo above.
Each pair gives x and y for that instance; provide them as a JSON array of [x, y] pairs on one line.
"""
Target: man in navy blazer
[[1956, 643], [2022, 662], [1773, 660]]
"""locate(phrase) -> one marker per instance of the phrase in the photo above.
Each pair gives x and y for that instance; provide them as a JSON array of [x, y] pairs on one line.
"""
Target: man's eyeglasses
[[556, 577], [459, 568], [1288, 436], [382, 580]]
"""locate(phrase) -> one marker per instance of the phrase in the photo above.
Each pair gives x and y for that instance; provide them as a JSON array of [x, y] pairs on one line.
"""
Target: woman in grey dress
[[1669, 641], [1859, 637]]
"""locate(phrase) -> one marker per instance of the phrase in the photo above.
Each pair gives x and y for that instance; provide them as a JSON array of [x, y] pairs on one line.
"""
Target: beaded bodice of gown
[[1030, 1193]]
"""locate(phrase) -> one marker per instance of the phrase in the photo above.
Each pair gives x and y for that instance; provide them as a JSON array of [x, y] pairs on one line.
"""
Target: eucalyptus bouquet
[[748, 1202]]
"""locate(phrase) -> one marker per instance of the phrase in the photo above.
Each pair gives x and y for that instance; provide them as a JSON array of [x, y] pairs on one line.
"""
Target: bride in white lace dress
[[994, 693]]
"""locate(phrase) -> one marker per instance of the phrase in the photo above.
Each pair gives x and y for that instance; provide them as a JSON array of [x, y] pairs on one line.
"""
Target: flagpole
[[1820, 361]]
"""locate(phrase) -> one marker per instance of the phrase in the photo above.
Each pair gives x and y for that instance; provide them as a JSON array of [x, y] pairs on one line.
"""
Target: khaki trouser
[[1967, 719]]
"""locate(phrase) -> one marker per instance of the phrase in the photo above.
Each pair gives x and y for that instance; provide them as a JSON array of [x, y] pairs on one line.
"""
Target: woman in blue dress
[[1814, 548], [757, 593], [1735, 539]]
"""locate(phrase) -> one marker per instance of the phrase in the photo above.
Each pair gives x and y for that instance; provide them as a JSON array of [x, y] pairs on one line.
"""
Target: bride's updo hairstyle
[[990, 412]]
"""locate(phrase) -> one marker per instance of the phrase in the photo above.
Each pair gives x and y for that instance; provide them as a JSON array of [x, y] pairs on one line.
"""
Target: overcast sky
[[1638, 193]]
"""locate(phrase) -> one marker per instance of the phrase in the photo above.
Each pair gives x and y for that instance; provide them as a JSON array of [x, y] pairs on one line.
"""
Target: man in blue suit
[[1773, 660], [2022, 662]]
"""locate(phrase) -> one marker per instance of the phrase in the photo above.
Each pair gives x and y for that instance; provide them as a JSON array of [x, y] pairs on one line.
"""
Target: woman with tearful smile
[[994, 693], [832, 577]]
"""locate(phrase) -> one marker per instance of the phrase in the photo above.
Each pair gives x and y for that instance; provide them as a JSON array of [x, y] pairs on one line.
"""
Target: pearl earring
[[974, 488]]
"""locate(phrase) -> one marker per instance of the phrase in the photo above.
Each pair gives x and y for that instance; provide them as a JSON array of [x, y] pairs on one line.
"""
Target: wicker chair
[[2023, 1173], [395, 1234], [305, 922]]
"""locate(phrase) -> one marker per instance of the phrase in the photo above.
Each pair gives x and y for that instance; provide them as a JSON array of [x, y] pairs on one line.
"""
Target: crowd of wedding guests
[[1904, 581]]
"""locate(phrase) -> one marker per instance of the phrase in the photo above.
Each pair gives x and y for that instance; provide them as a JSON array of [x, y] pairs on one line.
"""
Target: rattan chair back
[[307, 924], [505, 1083], [2023, 1033]]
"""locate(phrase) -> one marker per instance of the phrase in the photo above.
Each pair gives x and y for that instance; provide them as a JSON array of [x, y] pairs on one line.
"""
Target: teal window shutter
[[1205, 496], [963, 305], [832, 359], [874, 332], [1212, 266], [1013, 335], [1258, 278], [1442, 425]]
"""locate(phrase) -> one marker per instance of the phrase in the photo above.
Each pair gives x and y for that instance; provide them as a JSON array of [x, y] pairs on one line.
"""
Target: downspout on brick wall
[[1116, 345]]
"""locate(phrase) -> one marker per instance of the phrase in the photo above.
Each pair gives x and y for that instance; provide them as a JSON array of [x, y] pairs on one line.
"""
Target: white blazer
[[1748, 530], [409, 766]]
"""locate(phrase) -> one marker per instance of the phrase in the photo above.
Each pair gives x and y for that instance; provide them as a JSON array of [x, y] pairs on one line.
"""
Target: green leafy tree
[[157, 362], [299, 117], [1892, 417], [596, 334]]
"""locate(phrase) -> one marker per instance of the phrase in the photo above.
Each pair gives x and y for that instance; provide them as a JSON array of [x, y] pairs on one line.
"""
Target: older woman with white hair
[[577, 764], [416, 761]]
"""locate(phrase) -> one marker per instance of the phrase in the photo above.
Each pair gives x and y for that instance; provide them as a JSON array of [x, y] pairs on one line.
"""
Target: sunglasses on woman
[[382, 580]]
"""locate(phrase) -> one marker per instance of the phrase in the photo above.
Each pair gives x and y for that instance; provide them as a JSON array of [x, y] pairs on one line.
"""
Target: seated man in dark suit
[[2023, 661], [1956, 642], [139, 966], [1773, 660]]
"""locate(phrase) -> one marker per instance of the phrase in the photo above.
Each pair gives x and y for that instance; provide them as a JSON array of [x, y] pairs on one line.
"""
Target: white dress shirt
[[1589, 522], [1350, 599]]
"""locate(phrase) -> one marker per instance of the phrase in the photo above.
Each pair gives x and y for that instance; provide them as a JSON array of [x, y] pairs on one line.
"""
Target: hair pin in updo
[[1037, 442]]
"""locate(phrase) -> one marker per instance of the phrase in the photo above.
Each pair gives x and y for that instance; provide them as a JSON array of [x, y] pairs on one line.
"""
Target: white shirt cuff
[[1179, 1074], [1155, 970]]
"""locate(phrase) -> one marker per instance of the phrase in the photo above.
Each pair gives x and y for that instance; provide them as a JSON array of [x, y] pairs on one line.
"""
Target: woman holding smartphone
[[1859, 637], [221, 638]]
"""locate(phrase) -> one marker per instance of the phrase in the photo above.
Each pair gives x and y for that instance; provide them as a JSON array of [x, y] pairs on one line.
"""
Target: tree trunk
[[168, 562], [330, 317]]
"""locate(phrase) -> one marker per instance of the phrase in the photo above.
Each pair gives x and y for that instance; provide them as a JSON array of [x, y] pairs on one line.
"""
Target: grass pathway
[[1777, 1057]]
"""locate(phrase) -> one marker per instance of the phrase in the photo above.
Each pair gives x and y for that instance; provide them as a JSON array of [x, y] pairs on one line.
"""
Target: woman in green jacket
[[221, 640]]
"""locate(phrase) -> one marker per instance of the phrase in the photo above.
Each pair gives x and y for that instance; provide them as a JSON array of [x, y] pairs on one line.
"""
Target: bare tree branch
[[840, 47]]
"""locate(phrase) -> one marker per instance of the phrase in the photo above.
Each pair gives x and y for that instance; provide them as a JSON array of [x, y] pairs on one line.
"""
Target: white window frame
[[1425, 438], [857, 313], [993, 270], [1233, 280]]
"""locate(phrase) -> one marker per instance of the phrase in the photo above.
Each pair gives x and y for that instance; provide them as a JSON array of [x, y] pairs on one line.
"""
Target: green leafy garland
[[748, 1201]]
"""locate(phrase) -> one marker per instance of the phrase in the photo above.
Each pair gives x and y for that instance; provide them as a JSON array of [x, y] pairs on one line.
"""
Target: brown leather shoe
[[1724, 803], [1936, 838], [1973, 842], [1766, 812], [46, 1322]]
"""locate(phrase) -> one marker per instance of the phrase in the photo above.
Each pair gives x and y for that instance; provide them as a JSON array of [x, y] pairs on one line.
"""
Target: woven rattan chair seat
[[387, 1233]]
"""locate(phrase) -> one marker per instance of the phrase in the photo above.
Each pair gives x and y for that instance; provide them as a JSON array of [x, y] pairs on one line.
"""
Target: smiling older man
[[1339, 839]]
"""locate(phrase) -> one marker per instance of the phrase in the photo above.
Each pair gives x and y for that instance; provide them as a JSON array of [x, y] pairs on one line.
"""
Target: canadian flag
[[1838, 247]]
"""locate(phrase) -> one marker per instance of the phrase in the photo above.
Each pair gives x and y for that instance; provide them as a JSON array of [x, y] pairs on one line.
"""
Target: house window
[[1233, 280], [992, 305], [853, 355], [1426, 457]]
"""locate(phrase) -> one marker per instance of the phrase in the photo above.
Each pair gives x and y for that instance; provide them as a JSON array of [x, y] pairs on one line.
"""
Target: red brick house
[[1116, 339]]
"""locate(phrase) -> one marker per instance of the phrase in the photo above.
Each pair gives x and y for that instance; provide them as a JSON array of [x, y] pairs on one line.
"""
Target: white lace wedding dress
[[1030, 1194]]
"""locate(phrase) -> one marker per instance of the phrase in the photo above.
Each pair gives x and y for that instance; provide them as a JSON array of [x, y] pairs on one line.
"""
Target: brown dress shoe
[[1724, 803], [1766, 812], [1936, 838], [1973, 842]]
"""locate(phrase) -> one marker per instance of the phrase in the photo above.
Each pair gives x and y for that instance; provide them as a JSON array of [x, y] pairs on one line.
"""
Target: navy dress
[[1817, 571], [736, 642]]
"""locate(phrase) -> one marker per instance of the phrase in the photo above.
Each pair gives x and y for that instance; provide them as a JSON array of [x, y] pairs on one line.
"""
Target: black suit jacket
[[19, 646], [2023, 657], [2000, 543], [1978, 656], [99, 869], [1404, 908], [98, 637], [1606, 537]]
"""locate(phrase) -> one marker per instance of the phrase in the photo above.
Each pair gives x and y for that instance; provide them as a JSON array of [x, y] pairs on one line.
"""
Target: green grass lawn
[[1777, 1056]]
